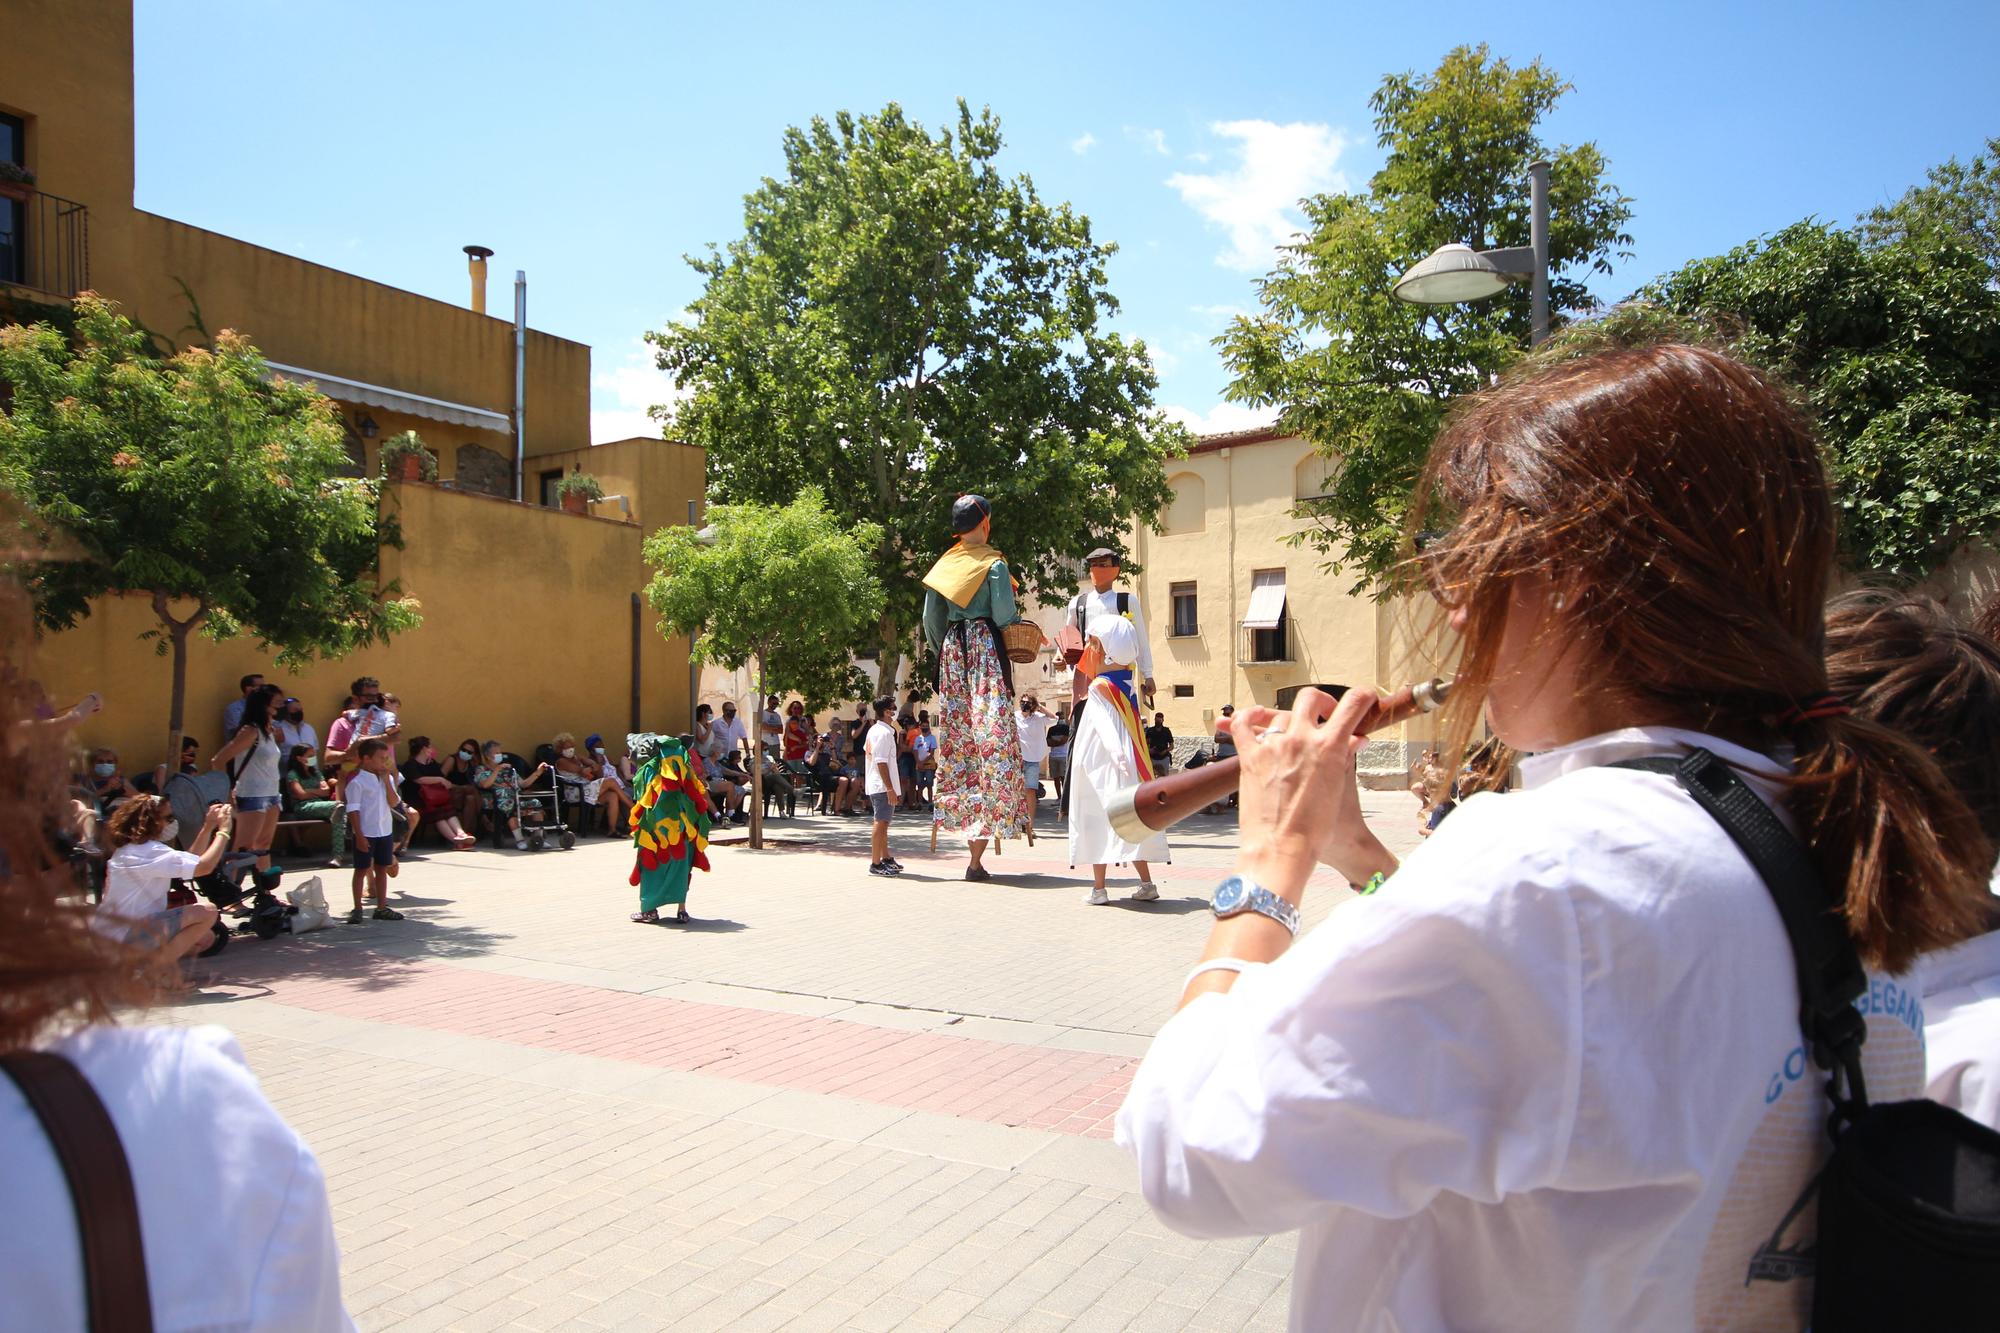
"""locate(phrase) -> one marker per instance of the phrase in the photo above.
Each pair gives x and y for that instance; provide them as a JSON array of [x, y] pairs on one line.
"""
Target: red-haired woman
[[207, 1155], [1550, 1076]]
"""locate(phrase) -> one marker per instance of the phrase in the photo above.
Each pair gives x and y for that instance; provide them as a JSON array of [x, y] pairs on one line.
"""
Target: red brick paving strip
[[1067, 1092]]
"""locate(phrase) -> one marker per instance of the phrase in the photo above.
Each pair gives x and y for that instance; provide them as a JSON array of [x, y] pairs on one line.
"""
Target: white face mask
[[598, 751], [569, 752], [170, 830]]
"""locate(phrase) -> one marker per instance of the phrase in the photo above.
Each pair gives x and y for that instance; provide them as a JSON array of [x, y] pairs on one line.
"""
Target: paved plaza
[[832, 1101]]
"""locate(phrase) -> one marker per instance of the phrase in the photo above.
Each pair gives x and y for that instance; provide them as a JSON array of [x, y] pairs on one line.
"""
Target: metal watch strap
[[1254, 897]]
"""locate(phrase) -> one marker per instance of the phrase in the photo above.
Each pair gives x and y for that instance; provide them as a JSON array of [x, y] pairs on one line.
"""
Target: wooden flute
[[1139, 812]]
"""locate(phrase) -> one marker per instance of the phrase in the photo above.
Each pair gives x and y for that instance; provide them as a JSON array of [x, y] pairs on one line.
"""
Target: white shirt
[[772, 728], [1101, 764], [1095, 603], [232, 1207], [1550, 1077], [729, 733], [924, 745], [296, 733], [878, 750], [136, 879], [366, 795], [1034, 735], [1962, 1028]]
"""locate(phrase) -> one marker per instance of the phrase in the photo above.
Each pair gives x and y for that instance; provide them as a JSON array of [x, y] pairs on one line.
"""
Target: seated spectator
[[108, 784], [458, 770], [730, 737], [427, 794], [824, 769], [614, 794], [309, 794], [1225, 748], [728, 787], [190, 755], [143, 868], [500, 788], [576, 775]]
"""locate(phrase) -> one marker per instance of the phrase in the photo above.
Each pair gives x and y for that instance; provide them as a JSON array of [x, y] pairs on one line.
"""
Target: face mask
[[598, 751], [493, 761], [569, 752], [170, 830], [104, 770], [310, 765], [466, 755]]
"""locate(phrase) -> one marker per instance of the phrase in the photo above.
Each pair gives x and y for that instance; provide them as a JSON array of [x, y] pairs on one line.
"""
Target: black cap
[[969, 512], [1104, 553]]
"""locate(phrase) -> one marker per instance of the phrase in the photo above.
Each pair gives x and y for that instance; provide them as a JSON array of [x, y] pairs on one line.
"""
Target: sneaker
[[880, 868], [387, 914], [1146, 893], [1097, 898], [893, 864], [355, 917], [520, 844]]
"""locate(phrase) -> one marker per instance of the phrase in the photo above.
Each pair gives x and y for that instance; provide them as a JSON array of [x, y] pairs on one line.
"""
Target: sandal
[[681, 918], [646, 918], [978, 874]]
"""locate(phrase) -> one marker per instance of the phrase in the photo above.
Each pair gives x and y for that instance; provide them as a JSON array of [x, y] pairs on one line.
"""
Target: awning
[[395, 400], [1267, 601]]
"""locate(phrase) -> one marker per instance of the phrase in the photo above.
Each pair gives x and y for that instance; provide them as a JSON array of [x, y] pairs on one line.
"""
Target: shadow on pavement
[[375, 955], [698, 925]]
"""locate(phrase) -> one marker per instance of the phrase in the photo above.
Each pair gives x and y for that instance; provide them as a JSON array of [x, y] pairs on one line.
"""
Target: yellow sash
[[958, 572]]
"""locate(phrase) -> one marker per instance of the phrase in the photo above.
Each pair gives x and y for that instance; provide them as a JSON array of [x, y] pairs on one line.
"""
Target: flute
[[1137, 813]]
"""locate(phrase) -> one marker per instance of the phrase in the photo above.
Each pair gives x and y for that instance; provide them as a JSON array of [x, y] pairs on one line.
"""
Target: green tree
[[901, 324], [1958, 199], [788, 585], [191, 479], [1368, 378], [1893, 345]]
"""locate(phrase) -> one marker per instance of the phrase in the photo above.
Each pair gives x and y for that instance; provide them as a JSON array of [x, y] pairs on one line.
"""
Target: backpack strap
[[1829, 972], [100, 1188]]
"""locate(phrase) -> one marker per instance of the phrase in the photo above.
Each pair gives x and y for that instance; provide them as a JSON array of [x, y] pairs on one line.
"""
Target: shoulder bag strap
[[1829, 972], [100, 1188]]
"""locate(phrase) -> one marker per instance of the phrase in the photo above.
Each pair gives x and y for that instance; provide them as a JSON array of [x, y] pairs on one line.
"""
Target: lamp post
[[1454, 273]]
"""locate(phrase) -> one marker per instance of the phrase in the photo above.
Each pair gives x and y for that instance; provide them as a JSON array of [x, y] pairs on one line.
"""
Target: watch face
[[1229, 894]]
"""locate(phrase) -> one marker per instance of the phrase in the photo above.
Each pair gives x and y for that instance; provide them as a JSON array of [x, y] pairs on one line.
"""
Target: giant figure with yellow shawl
[[669, 824], [981, 790], [1107, 753]]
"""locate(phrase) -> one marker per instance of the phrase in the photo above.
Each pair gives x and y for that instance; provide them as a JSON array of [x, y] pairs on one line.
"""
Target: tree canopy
[[787, 585], [900, 324], [1368, 378], [192, 478], [1891, 332]]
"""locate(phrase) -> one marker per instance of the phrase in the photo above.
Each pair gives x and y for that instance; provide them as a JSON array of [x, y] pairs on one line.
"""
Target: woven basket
[[1022, 640]]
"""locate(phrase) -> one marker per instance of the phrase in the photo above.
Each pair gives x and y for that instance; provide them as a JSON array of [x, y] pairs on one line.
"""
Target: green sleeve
[[934, 613], [1000, 589]]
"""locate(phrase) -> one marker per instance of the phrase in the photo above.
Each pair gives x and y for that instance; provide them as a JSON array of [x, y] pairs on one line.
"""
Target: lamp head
[[1448, 275]]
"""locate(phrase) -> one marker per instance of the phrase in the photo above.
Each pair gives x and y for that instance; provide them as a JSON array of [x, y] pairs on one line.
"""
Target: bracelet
[[1215, 965], [1375, 881]]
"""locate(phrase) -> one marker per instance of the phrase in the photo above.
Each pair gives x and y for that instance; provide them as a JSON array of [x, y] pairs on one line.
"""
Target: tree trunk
[[757, 763], [177, 632]]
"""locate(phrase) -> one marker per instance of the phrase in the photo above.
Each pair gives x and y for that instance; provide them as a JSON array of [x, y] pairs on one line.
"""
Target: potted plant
[[577, 490], [404, 458], [16, 181]]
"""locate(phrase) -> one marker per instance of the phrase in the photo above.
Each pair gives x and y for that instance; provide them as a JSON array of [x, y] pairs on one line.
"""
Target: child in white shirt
[[371, 830]]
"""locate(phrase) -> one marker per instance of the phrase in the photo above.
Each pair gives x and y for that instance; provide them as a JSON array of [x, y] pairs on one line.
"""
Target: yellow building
[[1238, 615], [533, 621]]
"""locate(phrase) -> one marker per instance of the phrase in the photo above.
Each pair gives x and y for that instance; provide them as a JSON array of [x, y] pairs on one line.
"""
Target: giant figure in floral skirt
[[669, 825]]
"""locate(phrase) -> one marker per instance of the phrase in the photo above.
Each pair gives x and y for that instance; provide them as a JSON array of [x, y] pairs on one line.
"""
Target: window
[[549, 481], [1265, 621], [13, 213], [1183, 691], [1314, 476], [1188, 510], [1187, 624]]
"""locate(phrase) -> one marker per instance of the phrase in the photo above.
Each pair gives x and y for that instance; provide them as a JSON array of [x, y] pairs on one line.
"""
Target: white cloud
[[1255, 203], [620, 395], [1153, 139], [1082, 143], [1222, 417]]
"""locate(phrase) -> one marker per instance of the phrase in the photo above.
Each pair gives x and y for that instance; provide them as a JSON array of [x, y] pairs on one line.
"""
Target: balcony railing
[[1266, 647], [45, 244]]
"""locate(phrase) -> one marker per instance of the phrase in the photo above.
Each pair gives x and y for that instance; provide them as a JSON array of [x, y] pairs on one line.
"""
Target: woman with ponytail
[[1551, 1075]]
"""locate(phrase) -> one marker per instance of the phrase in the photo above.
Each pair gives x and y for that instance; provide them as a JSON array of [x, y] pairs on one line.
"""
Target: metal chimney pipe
[[520, 380], [475, 263]]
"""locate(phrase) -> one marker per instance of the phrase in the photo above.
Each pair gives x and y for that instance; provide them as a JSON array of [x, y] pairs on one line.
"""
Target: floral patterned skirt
[[981, 789]]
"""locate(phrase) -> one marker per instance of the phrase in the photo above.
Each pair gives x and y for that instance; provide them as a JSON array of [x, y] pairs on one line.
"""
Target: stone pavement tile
[[1085, 1161], [971, 1141]]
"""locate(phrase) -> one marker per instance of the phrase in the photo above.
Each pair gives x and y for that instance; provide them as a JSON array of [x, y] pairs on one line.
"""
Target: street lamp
[[1454, 273]]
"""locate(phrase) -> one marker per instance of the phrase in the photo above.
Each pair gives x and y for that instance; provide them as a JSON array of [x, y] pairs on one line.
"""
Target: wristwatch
[[1237, 895]]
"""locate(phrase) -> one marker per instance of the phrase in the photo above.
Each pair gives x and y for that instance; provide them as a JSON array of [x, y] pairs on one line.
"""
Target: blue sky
[[593, 144]]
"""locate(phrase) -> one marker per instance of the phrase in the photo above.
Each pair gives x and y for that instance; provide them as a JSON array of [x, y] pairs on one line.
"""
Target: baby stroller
[[190, 795]]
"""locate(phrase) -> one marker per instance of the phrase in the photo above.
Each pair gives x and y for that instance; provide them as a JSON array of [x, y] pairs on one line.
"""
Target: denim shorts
[[879, 806], [1032, 770], [375, 852], [250, 805]]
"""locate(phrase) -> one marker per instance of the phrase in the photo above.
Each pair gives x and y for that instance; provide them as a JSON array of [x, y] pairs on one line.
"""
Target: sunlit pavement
[[831, 1101]]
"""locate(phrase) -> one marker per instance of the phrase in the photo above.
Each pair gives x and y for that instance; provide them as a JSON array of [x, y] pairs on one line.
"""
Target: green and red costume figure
[[669, 823]]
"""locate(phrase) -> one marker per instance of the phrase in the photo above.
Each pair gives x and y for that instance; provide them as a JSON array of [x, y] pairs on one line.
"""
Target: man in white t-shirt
[[882, 783], [373, 831], [771, 729], [729, 732], [1034, 722]]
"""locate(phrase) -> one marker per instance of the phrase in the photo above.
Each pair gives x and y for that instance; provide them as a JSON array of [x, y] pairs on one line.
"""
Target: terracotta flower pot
[[407, 467], [574, 503], [16, 190]]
